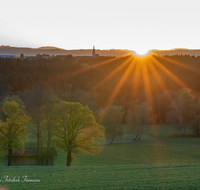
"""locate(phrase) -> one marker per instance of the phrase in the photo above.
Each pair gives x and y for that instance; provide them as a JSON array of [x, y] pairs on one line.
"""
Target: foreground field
[[167, 147], [171, 150], [161, 160], [143, 176]]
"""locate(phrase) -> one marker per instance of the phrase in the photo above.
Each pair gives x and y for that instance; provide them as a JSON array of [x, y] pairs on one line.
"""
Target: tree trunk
[[135, 137], [48, 142], [181, 124], [181, 132], [159, 115], [197, 129], [9, 157], [69, 158], [112, 139], [140, 136], [41, 152], [38, 145], [184, 132], [48, 150]]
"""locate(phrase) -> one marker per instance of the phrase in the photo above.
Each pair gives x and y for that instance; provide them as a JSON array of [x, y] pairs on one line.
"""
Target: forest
[[86, 80], [119, 90]]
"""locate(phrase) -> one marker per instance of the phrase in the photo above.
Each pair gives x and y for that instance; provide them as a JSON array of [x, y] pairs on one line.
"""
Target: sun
[[141, 52]]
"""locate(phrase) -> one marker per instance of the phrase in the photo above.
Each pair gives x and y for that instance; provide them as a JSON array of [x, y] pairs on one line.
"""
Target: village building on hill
[[93, 53]]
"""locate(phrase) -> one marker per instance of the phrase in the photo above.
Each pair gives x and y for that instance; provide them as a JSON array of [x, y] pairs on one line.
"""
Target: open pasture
[[136, 176], [169, 162], [167, 148]]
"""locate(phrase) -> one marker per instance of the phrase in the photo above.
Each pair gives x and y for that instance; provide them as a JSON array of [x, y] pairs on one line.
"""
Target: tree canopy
[[13, 131], [76, 131], [112, 118], [137, 120], [182, 110]]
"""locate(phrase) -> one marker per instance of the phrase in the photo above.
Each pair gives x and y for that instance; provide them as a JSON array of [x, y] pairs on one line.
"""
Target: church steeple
[[93, 52]]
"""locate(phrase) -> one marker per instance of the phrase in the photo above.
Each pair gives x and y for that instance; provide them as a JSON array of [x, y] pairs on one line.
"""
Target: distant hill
[[8, 50], [191, 52]]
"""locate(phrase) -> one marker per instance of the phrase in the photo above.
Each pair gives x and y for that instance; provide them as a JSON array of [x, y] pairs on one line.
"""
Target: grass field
[[142, 176], [167, 148], [169, 162]]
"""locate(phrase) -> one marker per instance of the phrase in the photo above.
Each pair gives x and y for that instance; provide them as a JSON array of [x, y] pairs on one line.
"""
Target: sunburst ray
[[82, 70], [179, 64], [112, 74], [121, 82], [159, 80], [169, 73]]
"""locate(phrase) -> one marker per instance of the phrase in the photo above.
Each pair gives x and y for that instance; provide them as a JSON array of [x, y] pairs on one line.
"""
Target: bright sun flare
[[141, 52]]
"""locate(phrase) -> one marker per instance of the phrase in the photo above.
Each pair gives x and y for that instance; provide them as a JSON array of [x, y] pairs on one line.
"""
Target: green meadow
[[161, 160], [135, 176]]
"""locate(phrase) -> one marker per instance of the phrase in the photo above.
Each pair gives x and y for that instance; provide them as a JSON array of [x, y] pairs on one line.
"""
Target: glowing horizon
[[142, 52], [133, 25]]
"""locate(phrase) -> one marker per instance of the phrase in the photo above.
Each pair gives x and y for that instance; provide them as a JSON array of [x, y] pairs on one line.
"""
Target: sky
[[138, 25]]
